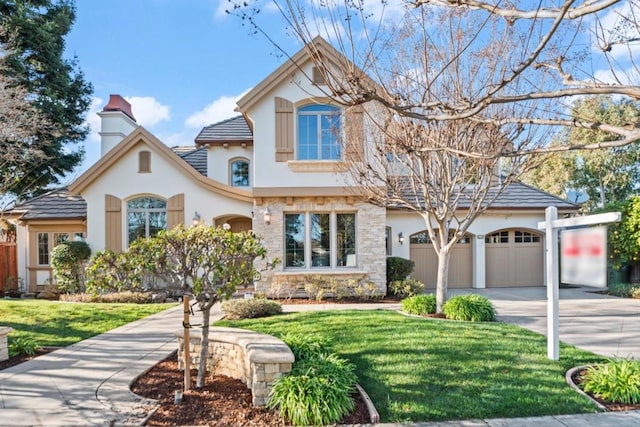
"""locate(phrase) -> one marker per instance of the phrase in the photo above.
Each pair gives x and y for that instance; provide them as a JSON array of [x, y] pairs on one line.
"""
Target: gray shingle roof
[[56, 204], [234, 129], [197, 158], [517, 196]]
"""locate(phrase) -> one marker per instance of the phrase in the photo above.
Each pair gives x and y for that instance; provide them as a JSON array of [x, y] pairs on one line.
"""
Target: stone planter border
[[569, 378]]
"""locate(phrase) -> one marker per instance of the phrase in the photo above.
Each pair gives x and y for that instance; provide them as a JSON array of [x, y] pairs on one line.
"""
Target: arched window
[[239, 173], [146, 216], [319, 132]]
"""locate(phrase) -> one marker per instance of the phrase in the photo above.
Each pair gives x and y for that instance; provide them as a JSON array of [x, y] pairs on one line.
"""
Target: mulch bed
[[16, 360], [611, 406], [294, 301], [223, 401]]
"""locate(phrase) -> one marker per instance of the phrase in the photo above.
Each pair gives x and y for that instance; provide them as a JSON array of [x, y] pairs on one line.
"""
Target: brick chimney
[[117, 122]]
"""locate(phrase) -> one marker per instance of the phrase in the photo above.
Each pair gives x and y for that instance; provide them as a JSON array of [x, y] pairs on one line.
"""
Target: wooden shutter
[[175, 211], [144, 161], [284, 130], [112, 223], [354, 134]]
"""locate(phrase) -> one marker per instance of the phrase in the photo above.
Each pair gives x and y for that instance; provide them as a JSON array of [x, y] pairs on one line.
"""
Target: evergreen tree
[[34, 44]]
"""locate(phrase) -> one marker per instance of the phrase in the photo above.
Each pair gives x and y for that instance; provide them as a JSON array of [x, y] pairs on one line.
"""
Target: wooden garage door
[[426, 260], [514, 258]]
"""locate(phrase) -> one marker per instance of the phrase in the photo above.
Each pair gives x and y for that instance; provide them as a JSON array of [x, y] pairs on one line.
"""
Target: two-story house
[[278, 170]]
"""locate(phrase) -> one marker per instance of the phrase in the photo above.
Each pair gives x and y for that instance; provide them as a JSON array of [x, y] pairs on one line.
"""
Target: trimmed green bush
[[68, 261], [307, 346], [618, 380], [316, 392], [473, 308], [398, 268], [406, 288], [22, 345], [419, 304], [250, 308]]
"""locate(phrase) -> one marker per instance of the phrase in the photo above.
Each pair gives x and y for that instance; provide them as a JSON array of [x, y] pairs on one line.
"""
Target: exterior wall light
[[196, 218], [400, 238], [267, 216]]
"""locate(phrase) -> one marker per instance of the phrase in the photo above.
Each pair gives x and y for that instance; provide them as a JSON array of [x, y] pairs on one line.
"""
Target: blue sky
[[182, 64]]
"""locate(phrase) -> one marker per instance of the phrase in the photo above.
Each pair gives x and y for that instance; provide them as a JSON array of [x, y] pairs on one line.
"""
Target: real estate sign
[[583, 256]]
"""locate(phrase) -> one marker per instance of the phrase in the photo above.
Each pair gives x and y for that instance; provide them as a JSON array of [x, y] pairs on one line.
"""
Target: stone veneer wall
[[4, 344], [258, 360], [370, 234]]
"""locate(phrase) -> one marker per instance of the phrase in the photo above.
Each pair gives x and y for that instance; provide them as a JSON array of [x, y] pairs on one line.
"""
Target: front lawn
[[418, 369], [53, 323]]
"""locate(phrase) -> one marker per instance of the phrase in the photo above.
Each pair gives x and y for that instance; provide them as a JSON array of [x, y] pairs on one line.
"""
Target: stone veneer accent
[[370, 231], [4, 345], [255, 359]]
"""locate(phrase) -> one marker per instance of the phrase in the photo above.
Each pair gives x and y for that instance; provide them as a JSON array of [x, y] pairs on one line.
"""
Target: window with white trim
[[320, 240], [239, 173], [146, 216], [43, 248], [319, 131]]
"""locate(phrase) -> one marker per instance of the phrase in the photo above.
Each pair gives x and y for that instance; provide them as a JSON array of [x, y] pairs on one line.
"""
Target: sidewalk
[[87, 383]]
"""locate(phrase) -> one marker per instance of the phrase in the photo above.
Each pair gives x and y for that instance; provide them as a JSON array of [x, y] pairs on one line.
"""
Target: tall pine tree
[[33, 39]]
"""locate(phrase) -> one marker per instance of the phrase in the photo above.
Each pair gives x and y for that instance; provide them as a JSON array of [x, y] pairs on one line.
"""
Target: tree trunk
[[442, 280], [603, 199], [204, 345]]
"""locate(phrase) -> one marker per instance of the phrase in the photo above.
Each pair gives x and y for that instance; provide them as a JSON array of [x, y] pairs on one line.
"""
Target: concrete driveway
[[603, 324]]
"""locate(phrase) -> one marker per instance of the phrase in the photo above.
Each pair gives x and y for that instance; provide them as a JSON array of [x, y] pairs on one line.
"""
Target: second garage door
[[514, 258], [426, 260]]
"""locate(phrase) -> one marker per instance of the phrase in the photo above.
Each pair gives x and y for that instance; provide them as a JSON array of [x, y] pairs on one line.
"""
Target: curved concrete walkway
[[87, 383]]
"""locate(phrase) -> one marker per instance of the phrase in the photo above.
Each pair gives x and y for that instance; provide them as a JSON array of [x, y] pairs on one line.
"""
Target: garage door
[[426, 260], [514, 258]]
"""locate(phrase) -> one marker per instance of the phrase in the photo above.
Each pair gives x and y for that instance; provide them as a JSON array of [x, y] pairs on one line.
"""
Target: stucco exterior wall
[[218, 166], [165, 180]]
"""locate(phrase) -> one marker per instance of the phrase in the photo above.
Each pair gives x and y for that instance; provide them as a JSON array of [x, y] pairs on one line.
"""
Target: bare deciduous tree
[[462, 96]]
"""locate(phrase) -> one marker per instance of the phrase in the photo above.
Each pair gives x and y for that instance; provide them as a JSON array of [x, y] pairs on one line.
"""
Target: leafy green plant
[[419, 304], [68, 261], [474, 308], [625, 290], [316, 391], [618, 380], [406, 288], [367, 291], [307, 346], [125, 297], [398, 268], [23, 345], [250, 308]]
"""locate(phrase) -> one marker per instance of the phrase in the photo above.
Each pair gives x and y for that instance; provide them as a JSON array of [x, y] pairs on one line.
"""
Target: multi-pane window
[[240, 173], [497, 237], [43, 248], [319, 131], [146, 216], [526, 237], [59, 238], [315, 240]]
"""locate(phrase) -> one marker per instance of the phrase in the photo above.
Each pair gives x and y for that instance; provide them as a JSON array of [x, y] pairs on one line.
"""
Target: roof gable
[[142, 135], [317, 47]]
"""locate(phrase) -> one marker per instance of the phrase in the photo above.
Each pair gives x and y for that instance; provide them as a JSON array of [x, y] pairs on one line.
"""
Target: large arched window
[[146, 216], [239, 173], [319, 131]]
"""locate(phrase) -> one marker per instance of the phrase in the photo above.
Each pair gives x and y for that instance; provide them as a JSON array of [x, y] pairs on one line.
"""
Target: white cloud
[[220, 109], [147, 110]]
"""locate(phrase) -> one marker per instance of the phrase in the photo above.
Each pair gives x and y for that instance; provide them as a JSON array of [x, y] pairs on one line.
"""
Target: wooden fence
[[8, 264]]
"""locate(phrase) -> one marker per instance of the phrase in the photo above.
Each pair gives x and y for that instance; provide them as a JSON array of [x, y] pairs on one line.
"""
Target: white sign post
[[551, 226]]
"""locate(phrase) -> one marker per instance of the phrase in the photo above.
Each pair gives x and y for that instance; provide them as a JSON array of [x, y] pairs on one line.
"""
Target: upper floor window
[[146, 216], [239, 171], [319, 131]]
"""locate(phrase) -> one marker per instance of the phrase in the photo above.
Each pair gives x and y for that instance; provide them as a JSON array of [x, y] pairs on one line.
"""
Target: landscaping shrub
[[68, 260], [398, 268], [625, 290], [127, 297], [419, 304], [618, 380], [474, 308], [250, 308], [406, 288], [22, 345], [307, 346], [316, 391]]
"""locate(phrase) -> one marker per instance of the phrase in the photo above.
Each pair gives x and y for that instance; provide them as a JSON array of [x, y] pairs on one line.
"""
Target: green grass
[[431, 370], [52, 323]]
